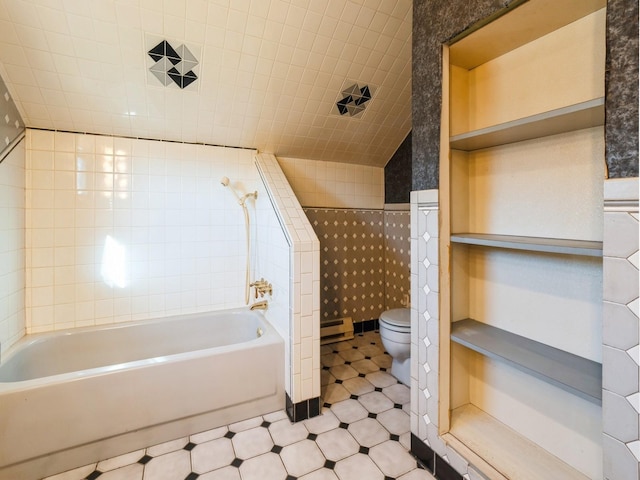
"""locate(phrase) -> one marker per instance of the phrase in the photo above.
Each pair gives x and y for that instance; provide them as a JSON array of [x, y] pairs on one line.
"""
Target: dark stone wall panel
[[397, 174], [435, 22], [621, 113]]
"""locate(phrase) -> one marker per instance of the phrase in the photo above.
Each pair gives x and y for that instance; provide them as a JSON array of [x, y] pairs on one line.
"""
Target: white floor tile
[[368, 432], [392, 459], [75, 474], [395, 420], [285, 433], [351, 355], [371, 350], [302, 458], [169, 466], [167, 447], [383, 361], [212, 455], [381, 379], [337, 444], [365, 366], [358, 466], [129, 472], [245, 424], [322, 423], [208, 435], [358, 385], [120, 461], [275, 416], [226, 473], [417, 474], [321, 474], [331, 360], [253, 442], [398, 393], [375, 402], [349, 411], [343, 372], [335, 393], [267, 466]]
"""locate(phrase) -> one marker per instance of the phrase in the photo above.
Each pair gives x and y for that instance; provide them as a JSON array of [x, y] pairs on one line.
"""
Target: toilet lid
[[400, 317]]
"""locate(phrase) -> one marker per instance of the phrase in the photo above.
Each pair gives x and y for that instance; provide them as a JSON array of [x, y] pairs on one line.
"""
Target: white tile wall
[[424, 315], [333, 184], [121, 229], [12, 253], [621, 331], [303, 279]]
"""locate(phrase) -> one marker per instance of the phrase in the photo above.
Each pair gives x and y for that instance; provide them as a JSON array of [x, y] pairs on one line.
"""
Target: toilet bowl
[[395, 331]]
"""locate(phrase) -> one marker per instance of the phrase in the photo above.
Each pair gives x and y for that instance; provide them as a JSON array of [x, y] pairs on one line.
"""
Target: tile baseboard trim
[[366, 326], [302, 410], [432, 461]]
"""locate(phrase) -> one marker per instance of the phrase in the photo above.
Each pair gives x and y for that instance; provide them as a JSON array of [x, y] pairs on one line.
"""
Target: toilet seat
[[397, 320]]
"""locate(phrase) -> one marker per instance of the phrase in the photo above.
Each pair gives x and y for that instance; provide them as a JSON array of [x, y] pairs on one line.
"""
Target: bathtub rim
[[269, 334]]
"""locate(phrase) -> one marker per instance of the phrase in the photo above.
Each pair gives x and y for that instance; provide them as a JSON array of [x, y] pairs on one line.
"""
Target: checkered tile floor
[[362, 433]]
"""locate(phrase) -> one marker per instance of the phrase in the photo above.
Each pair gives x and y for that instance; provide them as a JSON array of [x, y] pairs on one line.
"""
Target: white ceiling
[[269, 72]]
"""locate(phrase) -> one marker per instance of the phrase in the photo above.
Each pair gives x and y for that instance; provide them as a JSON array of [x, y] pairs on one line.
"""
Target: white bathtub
[[74, 397]]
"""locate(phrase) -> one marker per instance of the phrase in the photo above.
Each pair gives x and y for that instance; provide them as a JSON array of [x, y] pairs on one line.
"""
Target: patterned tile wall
[[621, 332], [397, 259], [12, 253], [351, 262], [364, 261], [11, 124]]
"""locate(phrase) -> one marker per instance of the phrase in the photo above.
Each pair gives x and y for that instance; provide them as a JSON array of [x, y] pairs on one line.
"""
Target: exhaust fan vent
[[172, 66], [353, 99]]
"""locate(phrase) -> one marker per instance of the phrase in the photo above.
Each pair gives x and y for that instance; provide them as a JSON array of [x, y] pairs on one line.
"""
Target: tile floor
[[362, 433]]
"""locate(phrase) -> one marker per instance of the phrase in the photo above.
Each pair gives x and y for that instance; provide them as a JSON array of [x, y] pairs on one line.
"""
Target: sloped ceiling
[[268, 73]]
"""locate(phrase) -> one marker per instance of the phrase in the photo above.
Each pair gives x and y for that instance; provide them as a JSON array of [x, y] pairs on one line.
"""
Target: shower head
[[241, 200]]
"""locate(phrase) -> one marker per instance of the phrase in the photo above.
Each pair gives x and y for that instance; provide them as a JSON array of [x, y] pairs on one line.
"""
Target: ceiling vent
[[172, 65], [354, 98]]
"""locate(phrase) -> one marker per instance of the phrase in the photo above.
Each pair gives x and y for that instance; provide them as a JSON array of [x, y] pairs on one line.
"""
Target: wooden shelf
[[578, 375], [505, 450], [534, 244], [526, 21], [567, 119]]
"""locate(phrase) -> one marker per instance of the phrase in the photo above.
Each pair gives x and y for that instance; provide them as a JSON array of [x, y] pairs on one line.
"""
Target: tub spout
[[259, 305]]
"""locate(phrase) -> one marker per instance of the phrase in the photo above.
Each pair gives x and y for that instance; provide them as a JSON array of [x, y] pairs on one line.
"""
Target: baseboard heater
[[336, 330]]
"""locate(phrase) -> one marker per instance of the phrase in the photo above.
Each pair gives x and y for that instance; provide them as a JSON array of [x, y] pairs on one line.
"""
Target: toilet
[[395, 331]]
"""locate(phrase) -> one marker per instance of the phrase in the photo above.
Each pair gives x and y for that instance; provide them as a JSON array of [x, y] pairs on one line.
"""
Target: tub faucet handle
[[262, 287]]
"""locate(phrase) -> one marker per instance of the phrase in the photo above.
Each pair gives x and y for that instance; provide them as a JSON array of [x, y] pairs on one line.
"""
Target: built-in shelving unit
[[522, 240], [534, 244], [572, 373], [566, 119]]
